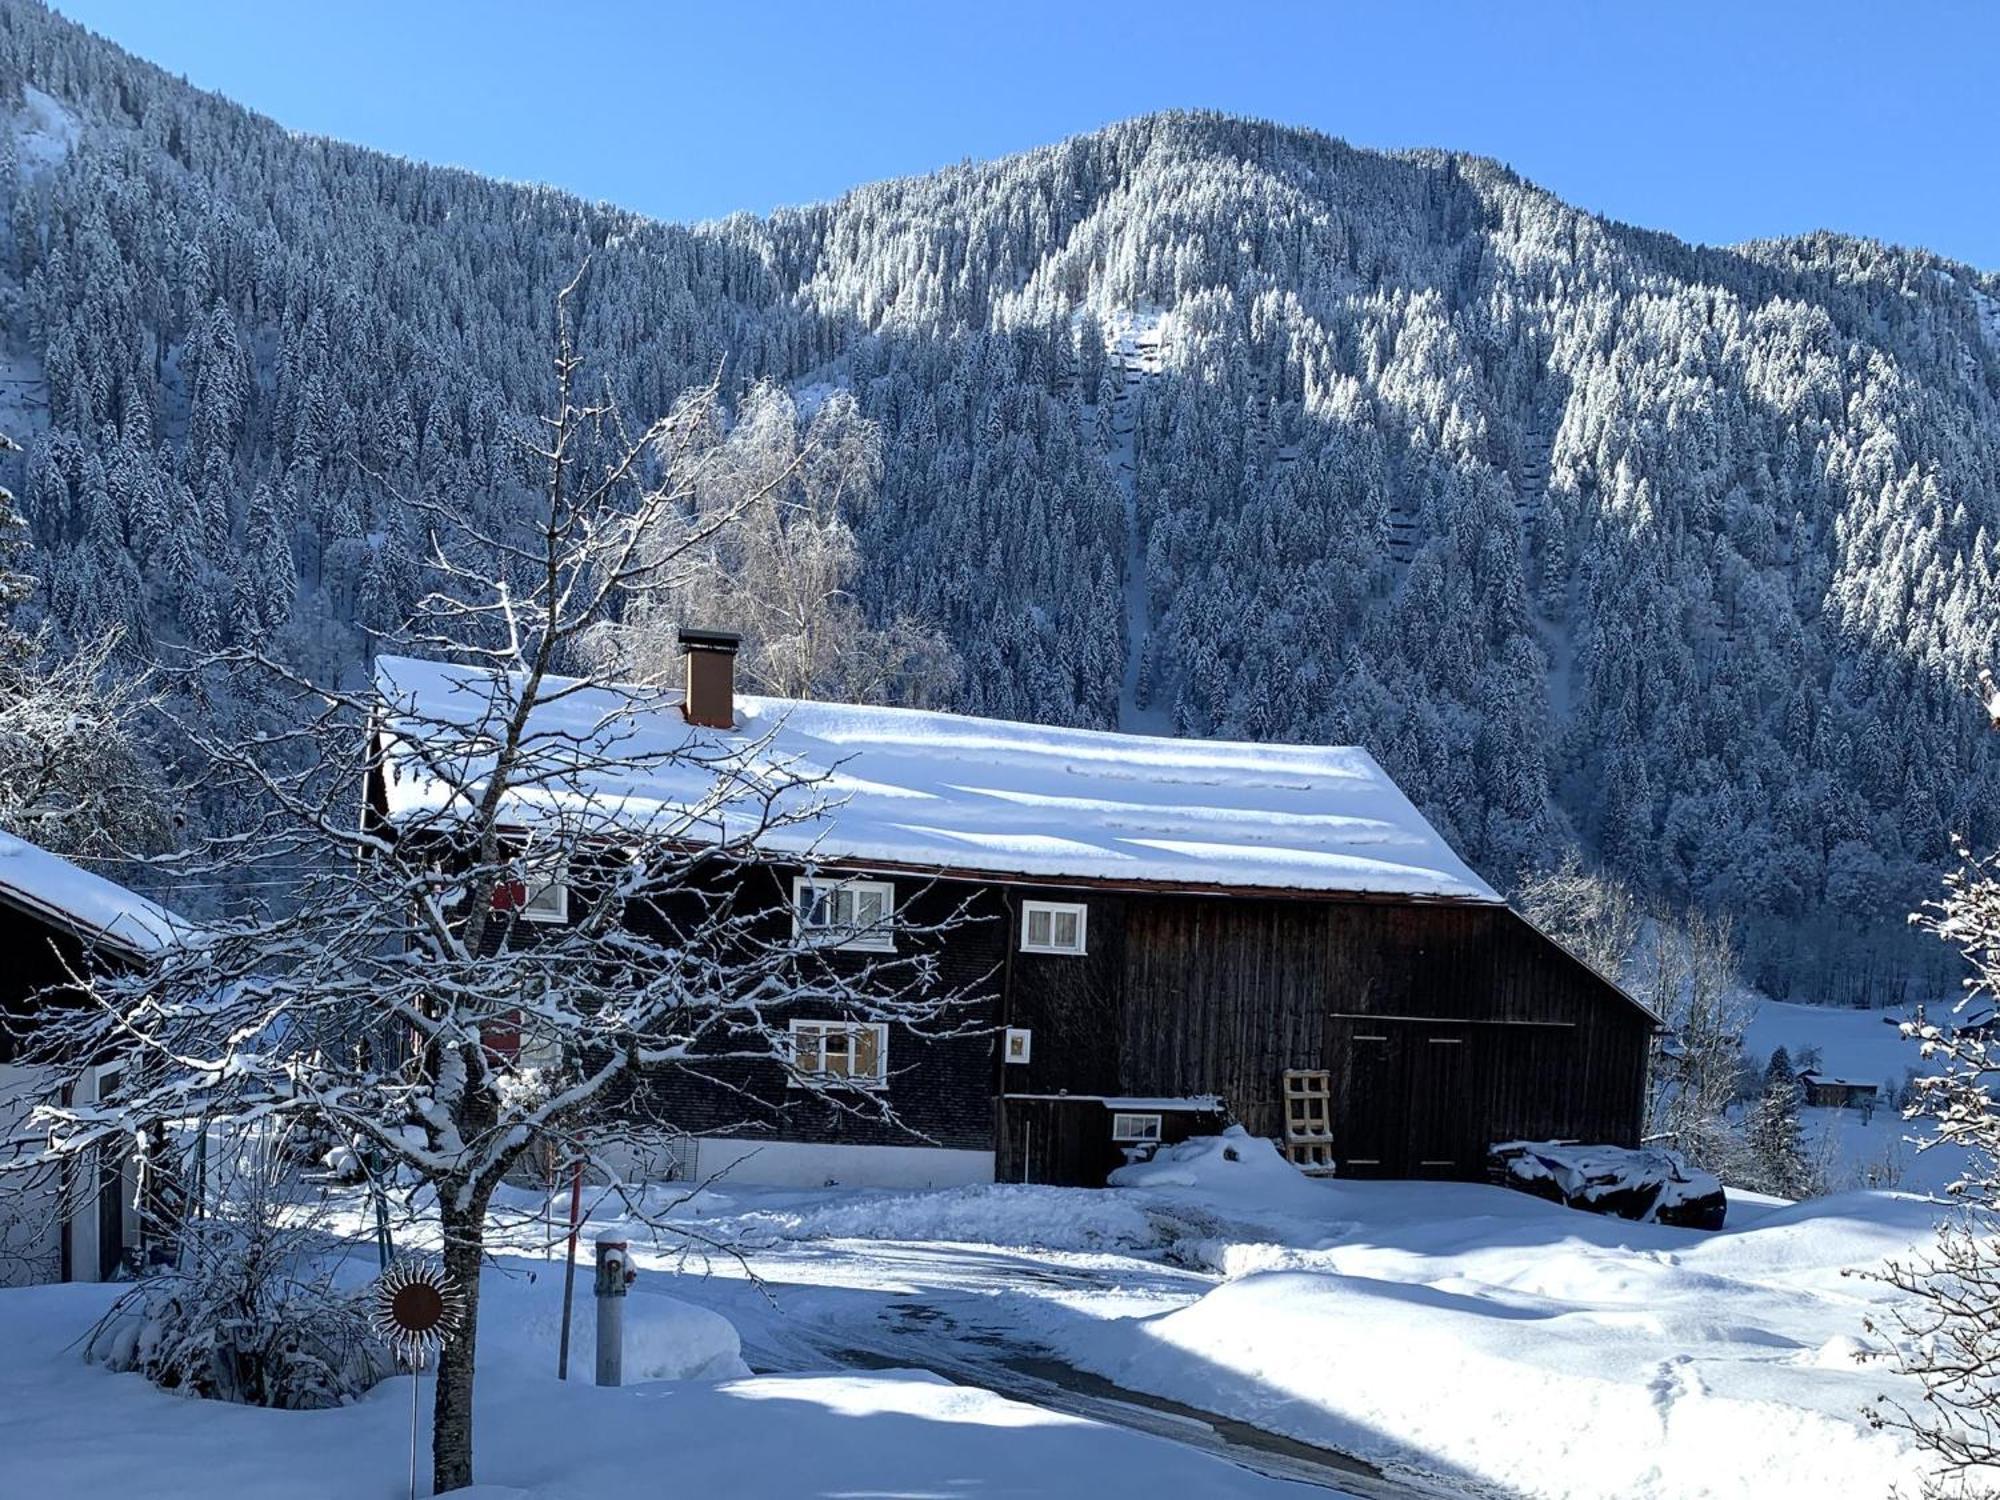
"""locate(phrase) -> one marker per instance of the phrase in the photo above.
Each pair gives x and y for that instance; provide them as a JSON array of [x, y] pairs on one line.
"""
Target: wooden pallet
[[1308, 1141]]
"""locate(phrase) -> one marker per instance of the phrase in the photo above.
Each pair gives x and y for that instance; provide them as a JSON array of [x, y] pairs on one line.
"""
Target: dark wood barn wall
[[1445, 1027]]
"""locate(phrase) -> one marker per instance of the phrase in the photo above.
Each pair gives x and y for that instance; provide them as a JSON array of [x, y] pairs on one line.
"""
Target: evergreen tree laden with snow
[[1585, 532], [1777, 1159], [373, 1007]]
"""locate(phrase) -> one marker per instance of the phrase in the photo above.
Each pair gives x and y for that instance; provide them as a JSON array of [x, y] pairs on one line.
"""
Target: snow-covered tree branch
[[1948, 1333]]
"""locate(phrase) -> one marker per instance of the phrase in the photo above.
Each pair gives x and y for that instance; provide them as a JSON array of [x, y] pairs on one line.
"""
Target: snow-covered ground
[[1861, 1148], [1473, 1335], [1464, 1340], [67, 1428]]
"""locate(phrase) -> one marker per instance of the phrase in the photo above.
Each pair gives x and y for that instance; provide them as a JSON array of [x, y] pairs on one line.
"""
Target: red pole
[[569, 1267]]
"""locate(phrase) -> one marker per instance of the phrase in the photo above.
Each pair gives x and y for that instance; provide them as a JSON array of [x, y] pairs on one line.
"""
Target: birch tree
[[784, 573], [374, 1005], [73, 777]]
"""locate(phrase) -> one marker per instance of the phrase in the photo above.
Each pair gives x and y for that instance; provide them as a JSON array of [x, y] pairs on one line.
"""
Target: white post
[[614, 1277], [416, 1385]]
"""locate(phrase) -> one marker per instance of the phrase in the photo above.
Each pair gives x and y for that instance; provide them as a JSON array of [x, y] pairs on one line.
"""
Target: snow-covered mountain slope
[[1585, 532]]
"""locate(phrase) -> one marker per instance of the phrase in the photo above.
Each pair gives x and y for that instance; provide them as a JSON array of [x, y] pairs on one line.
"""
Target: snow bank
[[68, 1428], [1559, 1354], [1234, 1167], [665, 1337], [1034, 1218]]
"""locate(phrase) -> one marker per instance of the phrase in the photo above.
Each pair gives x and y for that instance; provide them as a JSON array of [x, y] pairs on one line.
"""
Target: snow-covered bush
[[253, 1312]]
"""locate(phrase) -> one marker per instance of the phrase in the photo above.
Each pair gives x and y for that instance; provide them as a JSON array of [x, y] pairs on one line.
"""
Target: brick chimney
[[711, 680]]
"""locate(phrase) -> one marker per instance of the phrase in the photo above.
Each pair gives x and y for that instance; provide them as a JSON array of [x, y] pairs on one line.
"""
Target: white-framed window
[[548, 894], [854, 1052], [538, 891], [1135, 1127], [1053, 926], [845, 913]]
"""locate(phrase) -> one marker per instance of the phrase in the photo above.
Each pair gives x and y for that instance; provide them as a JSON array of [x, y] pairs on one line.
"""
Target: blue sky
[[1716, 121]]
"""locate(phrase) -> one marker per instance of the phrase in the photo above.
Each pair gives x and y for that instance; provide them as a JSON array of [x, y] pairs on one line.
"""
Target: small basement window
[[1135, 1127], [1053, 926], [855, 1052], [845, 913]]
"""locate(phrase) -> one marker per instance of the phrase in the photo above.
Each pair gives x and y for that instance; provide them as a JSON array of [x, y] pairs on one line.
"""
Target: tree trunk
[[451, 1415]]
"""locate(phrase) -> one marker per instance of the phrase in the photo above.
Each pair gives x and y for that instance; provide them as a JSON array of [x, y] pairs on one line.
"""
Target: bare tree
[[1593, 915], [374, 1006], [782, 573], [72, 775], [1690, 979], [1683, 966]]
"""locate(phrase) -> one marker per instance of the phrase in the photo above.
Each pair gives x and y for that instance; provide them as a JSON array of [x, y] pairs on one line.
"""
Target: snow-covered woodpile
[[1647, 1183]]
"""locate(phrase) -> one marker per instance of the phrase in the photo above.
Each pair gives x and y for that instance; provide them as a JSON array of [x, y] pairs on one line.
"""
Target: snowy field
[[1458, 1340], [1862, 1045]]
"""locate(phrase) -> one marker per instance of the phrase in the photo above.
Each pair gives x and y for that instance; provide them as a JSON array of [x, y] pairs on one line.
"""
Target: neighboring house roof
[[100, 911], [936, 791]]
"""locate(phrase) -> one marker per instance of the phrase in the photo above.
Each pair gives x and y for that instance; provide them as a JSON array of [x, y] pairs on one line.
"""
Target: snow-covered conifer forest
[[1684, 555]]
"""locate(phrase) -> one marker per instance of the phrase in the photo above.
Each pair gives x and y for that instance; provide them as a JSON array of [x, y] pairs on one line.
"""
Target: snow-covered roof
[[98, 910], [936, 791]]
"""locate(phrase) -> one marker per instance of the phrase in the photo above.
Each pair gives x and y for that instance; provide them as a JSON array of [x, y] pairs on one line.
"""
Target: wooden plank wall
[[1492, 1032]]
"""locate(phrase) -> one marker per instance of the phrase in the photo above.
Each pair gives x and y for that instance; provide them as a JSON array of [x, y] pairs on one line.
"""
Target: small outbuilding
[[59, 922]]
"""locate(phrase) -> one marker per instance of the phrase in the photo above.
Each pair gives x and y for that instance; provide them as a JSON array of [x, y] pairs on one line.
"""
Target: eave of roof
[[100, 913]]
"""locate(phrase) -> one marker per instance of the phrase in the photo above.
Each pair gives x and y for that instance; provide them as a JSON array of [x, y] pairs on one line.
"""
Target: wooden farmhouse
[[1165, 935], [1823, 1091], [59, 922]]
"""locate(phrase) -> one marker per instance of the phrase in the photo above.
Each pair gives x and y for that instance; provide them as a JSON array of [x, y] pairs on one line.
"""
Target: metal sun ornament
[[417, 1309]]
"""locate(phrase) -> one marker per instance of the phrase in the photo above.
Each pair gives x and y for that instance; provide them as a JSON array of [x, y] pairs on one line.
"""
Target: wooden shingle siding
[[939, 1087]]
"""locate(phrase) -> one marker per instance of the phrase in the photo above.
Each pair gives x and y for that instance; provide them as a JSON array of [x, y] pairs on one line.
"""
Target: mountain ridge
[[1682, 553]]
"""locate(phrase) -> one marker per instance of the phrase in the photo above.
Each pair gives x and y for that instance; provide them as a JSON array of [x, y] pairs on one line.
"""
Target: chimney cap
[[709, 640]]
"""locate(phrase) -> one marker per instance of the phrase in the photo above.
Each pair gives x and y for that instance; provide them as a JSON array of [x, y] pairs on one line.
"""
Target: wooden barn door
[[1367, 1141], [1403, 1103], [1440, 1118]]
